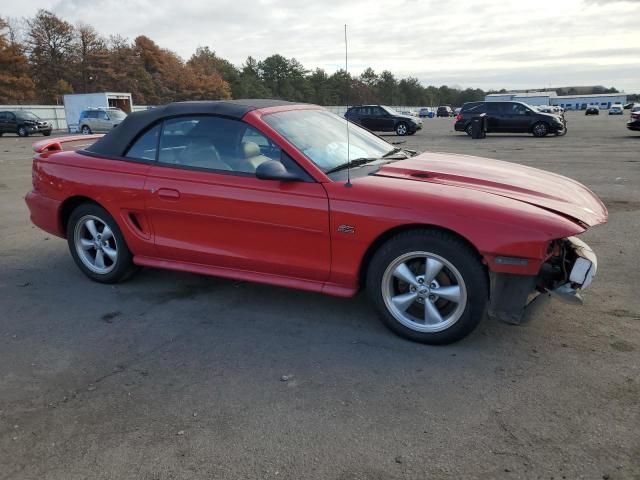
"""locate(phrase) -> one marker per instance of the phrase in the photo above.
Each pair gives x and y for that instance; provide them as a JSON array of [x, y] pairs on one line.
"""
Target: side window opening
[[146, 146], [215, 143]]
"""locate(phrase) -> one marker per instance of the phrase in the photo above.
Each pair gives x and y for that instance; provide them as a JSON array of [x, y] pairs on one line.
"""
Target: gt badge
[[346, 229]]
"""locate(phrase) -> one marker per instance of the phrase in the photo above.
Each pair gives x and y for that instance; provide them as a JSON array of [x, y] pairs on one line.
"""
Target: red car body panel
[[291, 233]]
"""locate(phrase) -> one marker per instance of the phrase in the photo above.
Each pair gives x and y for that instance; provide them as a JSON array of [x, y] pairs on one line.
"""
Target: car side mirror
[[274, 170]]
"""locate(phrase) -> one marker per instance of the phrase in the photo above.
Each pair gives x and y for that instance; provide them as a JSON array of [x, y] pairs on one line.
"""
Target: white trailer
[[74, 104]]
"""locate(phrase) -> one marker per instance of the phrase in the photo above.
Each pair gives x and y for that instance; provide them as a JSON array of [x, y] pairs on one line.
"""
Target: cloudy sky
[[468, 43]]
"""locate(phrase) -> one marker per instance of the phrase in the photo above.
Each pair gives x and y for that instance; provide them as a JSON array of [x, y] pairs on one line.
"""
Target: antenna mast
[[346, 73]]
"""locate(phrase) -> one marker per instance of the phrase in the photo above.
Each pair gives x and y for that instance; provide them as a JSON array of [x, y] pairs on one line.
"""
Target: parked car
[[258, 190], [592, 110], [510, 117], [445, 111], [95, 120], [23, 123], [380, 118], [426, 112], [550, 109], [411, 113], [634, 121], [616, 110], [635, 108]]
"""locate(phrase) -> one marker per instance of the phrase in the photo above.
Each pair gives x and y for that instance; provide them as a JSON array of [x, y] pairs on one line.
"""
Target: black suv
[[510, 117], [23, 123], [444, 111], [379, 118]]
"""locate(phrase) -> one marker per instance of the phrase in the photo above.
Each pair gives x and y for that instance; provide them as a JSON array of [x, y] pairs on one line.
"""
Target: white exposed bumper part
[[581, 275]]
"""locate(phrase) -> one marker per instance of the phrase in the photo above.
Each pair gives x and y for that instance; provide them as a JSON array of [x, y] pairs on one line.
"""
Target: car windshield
[[27, 116], [390, 110], [117, 114], [322, 137]]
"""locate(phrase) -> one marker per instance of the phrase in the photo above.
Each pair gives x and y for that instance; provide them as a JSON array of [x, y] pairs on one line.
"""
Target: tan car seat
[[252, 156], [203, 155]]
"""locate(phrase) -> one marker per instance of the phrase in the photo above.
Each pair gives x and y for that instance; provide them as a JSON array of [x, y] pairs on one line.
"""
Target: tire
[[112, 262], [46, 134], [23, 132], [540, 129], [469, 129], [398, 269], [402, 129], [85, 130]]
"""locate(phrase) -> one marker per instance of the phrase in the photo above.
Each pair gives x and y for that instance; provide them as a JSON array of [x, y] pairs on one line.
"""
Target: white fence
[[55, 113]]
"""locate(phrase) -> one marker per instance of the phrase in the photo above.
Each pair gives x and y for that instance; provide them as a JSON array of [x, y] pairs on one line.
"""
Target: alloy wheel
[[95, 244], [424, 292]]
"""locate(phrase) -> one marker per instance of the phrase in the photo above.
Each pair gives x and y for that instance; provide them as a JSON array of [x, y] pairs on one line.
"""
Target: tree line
[[50, 57]]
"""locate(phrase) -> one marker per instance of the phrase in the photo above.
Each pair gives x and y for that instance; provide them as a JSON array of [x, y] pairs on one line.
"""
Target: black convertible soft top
[[116, 142]]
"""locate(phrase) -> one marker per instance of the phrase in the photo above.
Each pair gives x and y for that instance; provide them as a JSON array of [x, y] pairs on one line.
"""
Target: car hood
[[408, 117], [536, 187]]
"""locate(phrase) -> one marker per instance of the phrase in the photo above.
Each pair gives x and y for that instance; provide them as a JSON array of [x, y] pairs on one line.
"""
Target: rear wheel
[[46, 134], [428, 286], [97, 245], [540, 129], [401, 129], [469, 129], [86, 130], [23, 132]]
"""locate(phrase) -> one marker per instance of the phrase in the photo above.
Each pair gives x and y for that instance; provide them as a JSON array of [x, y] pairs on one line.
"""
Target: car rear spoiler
[[55, 144]]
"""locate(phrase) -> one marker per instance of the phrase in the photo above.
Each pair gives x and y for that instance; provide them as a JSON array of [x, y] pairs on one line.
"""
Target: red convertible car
[[259, 190]]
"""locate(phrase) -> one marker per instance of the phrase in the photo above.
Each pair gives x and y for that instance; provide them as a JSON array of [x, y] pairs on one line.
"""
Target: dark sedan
[[380, 118], [510, 117], [23, 123], [634, 122]]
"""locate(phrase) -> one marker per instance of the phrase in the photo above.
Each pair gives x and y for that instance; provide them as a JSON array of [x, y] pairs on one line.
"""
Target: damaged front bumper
[[569, 269]]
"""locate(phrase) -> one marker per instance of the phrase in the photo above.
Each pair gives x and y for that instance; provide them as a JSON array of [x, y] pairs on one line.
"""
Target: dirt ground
[[178, 376]]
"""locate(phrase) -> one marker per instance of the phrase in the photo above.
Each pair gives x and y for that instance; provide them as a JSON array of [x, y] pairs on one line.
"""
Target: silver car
[[100, 120]]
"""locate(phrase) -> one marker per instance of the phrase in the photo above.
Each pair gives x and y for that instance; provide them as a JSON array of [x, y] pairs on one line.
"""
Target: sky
[[487, 44]]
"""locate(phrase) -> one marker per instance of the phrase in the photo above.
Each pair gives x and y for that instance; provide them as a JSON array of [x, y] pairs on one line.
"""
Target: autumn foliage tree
[[50, 47], [15, 84]]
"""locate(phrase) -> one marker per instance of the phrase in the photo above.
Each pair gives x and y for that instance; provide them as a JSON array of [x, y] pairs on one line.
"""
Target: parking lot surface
[[179, 376]]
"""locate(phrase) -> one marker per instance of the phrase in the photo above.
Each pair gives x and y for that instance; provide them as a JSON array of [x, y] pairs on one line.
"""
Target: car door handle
[[168, 193]]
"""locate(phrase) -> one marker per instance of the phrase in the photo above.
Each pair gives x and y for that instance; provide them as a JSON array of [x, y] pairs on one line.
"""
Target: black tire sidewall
[[88, 130], [455, 251], [468, 130], [124, 264]]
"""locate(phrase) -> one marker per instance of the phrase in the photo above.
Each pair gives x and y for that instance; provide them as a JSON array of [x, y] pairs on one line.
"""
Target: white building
[[581, 102], [531, 98], [569, 102]]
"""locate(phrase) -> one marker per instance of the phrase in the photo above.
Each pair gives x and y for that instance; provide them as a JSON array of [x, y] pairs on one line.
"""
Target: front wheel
[[86, 130], [23, 132], [428, 286], [46, 134], [401, 129], [540, 129], [97, 245]]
